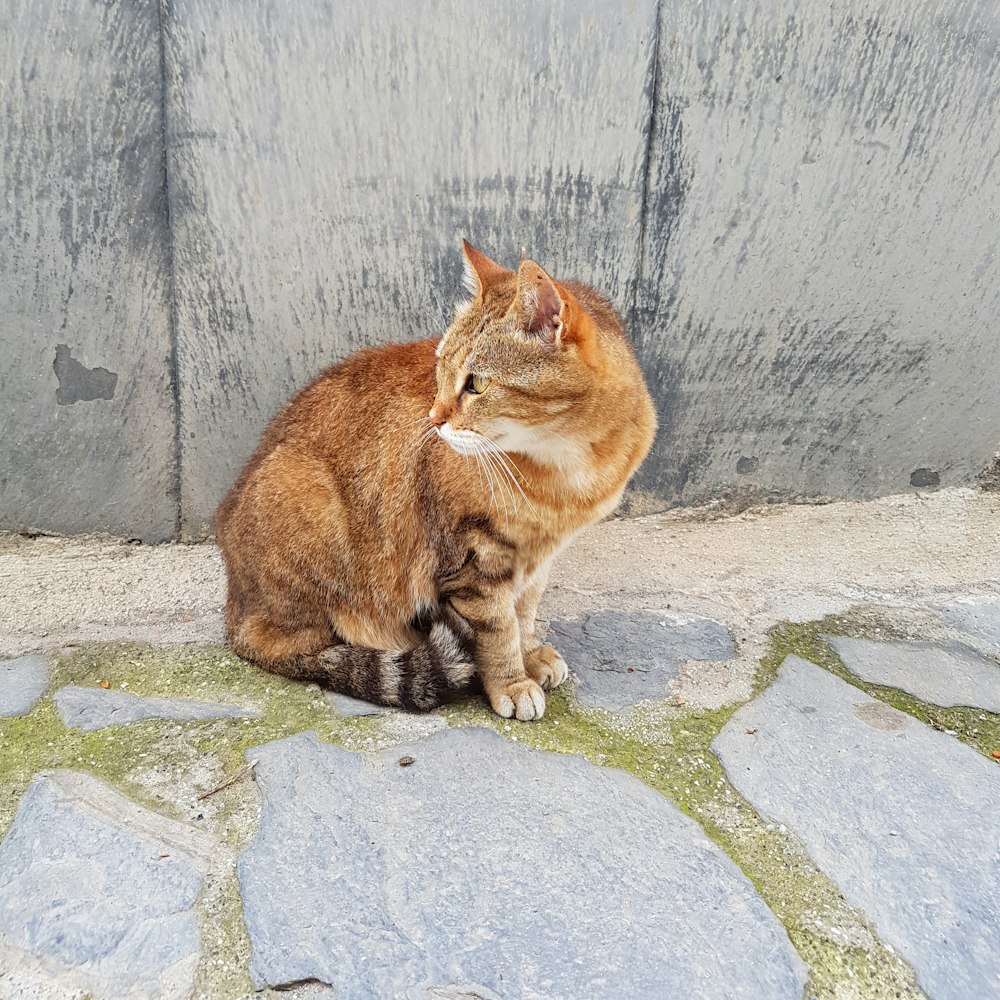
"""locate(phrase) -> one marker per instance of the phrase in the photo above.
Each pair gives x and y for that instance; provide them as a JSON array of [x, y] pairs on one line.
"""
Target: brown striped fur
[[394, 529]]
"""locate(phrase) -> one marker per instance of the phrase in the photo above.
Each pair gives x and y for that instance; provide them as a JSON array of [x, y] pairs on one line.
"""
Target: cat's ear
[[540, 307], [480, 271]]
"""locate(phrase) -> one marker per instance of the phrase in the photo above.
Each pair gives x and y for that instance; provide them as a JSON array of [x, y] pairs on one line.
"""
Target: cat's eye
[[477, 384]]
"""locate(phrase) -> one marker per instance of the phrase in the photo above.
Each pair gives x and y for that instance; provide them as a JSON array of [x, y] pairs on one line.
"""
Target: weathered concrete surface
[[820, 261], [326, 162], [943, 675], [903, 818], [747, 572], [396, 881], [622, 658], [86, 403], [977, 621], [98, 894], [793, 205], [94, 708], [22, 683]]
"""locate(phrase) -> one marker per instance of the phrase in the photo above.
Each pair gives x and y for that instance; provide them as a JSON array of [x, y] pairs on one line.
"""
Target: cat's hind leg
[[284, 650], [419, 679]]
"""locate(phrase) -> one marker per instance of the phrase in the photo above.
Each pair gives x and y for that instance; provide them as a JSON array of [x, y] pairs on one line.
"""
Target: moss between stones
[[165, 764], [844, 956], [973, 726]]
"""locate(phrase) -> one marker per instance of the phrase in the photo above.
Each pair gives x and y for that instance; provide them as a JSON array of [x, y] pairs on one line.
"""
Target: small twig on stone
[[240, 772]]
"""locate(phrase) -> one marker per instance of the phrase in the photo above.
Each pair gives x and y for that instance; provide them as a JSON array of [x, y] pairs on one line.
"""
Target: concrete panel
[[820, 277], [326, 158], [87, 418]]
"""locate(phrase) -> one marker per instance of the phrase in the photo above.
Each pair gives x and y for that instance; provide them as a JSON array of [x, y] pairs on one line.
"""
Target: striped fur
[[397, 522], [416, 679]]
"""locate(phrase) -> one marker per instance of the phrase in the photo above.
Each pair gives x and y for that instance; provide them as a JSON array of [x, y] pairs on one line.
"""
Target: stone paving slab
[[979, 621], [22, 683], [903, 818], [485, 869], [98, 893], [943, 674], [95, 708], [622, 658], [343, 704]]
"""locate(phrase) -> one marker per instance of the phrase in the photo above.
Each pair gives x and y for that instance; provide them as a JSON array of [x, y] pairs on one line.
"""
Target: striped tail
[[417, 679]]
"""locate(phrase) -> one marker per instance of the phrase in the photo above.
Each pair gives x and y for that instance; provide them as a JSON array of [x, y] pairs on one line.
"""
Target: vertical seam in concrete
[[647, 162], [175, 380]]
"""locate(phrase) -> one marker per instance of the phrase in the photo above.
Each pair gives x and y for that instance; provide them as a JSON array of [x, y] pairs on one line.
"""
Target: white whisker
[[422, 440], [479, 467], [501, 480], [489, 480], [483, 472], [502, 489], [562, 437], [506, 461]]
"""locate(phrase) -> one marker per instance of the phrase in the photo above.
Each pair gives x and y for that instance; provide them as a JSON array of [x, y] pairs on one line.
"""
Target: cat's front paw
[[523, 699], [546, 666]]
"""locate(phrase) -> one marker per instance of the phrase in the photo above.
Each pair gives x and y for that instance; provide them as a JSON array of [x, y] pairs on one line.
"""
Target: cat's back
[[362, 402], [366, 389]]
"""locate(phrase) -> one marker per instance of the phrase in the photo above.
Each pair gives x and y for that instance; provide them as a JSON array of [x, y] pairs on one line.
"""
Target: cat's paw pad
[[546, 666], [524, 700]]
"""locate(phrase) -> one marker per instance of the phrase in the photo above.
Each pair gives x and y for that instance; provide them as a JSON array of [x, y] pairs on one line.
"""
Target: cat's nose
[[439, 414]]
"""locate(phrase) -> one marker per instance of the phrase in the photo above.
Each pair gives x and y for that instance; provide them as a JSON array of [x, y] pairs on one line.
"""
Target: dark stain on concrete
[[78, 383], [747, 466], [989, 478], [925, 477]]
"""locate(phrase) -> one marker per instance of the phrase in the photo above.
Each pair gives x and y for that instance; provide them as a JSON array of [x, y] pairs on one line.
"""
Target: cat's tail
[[416, 679]]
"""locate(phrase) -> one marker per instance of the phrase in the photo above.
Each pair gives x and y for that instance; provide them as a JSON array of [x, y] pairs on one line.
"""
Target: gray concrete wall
[[87, 416], [794, 205], [820, 282]]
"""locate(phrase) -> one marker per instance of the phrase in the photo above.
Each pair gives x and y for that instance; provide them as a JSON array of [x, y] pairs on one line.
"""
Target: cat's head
[[520, 356]]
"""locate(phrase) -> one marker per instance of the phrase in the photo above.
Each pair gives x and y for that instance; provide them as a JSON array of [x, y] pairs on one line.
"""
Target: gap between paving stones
[[164, 765], [974, 726], [662, 746], [854, 778]]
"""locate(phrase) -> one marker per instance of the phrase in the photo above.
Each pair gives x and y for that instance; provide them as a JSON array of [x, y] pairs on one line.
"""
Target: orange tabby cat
[[394, 530]]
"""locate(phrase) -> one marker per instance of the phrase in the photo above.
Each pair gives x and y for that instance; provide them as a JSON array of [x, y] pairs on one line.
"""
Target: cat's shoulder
[[413, 356]]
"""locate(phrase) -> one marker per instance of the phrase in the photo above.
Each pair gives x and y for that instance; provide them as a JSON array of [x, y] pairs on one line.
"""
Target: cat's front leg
[[491, 613], [543, 663]]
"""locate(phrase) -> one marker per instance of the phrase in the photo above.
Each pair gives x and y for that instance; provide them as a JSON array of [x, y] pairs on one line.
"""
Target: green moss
[[671, 751], [225, 944], [165, 764], [974, 726]]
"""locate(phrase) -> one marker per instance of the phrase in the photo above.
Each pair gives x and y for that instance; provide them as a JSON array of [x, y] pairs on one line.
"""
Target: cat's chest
[[567, 520]]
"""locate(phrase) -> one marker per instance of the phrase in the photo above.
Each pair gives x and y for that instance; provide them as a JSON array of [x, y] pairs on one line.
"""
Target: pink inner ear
[[548, 305]]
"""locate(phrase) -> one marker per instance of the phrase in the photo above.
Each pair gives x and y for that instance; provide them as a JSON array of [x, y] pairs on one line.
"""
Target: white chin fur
[[463, 442], [534, 442]]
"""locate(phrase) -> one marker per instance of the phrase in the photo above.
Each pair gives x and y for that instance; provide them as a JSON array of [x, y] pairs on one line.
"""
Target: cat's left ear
[[480, 271], [541, 308]]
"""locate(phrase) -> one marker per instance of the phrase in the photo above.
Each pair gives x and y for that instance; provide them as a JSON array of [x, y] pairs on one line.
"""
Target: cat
[[393, 532]]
